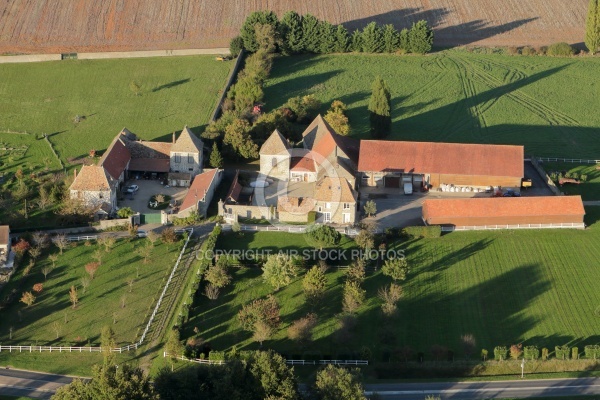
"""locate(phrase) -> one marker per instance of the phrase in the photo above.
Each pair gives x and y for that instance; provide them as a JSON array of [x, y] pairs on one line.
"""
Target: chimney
[[75, 173], [173, 137]]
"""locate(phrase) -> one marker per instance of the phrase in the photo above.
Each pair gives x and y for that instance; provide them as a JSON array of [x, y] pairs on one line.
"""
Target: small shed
[[180, 179], [506, 212]]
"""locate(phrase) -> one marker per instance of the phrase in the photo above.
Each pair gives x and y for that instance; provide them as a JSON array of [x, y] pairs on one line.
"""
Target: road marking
[[454, 391], [27, 388]]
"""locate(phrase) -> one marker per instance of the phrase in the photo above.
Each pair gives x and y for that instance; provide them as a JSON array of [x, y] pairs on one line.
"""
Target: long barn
[[389, 163], [505, 212]]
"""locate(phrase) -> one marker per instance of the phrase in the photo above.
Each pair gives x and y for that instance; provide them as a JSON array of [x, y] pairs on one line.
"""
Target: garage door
[[392, 182]]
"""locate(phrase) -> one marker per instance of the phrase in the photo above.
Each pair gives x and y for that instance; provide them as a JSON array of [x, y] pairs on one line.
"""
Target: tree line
[[297, 34]]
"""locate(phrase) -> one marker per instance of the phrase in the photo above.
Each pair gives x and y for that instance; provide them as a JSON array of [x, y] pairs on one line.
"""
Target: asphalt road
[[487, 390], [30, 384]]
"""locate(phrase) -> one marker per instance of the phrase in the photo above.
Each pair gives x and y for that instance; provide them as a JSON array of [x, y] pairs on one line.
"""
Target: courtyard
[[148, 188]]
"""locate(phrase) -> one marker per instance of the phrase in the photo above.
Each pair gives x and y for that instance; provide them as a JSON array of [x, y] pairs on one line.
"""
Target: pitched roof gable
[[187, 142], [199, 186], [441, 158], [335, 190], [503, 207], [93, 178], [116, 157], [275, 144], [321, 138]]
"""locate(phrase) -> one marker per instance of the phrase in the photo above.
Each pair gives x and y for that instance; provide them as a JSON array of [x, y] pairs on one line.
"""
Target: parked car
[[511, 193], [408, 188], [141, 233]]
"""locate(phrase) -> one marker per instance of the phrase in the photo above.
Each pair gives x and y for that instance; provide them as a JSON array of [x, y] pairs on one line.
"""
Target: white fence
[[568, 160], [291, 229], [288, 362], [91, 349], [519, 226], [80, 238]]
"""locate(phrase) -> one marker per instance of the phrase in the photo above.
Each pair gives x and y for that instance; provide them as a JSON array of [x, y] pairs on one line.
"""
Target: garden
[[581, 180]]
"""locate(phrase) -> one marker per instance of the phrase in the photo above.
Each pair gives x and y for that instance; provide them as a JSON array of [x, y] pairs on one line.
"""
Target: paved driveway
[[149, 188]]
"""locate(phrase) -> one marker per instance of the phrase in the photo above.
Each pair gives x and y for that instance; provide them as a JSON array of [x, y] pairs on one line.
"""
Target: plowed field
[[44, 26]]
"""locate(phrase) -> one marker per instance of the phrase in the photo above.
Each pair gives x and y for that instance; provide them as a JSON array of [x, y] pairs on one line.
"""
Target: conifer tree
[[592, 27], [391, 39], [292, 33], [380, 109], [216, 159]]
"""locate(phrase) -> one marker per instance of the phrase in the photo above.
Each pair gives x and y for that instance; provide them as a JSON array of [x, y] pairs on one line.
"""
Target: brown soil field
[[52, 26]]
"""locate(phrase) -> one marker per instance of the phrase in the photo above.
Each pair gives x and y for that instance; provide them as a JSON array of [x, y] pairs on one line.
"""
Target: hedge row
[[434, 231], [563, 352]]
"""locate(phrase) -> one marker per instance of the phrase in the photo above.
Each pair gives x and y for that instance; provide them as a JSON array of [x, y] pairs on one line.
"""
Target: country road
[[30, 384], [487, 390]]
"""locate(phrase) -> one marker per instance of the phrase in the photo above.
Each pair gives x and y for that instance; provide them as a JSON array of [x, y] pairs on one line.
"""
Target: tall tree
[[239, 140], [336, 117], [279, 270], [334, 383], [292, 33], [310, 32], [391, 39], [248, 32], [420, 38], [216, 159], [356, 41], [327, 38], [266, 37], [110, 383], [107, 343], [372, 38], [314, 284], [592, 27], [380, 109], [173, 346], [342, 39], [277, 380]]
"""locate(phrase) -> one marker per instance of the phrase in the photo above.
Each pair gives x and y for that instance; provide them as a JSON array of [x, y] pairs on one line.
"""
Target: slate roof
[[335, 190], [274, 145], [93, 178], [503, 207], [199, 186], [441, 158], [187, 142]]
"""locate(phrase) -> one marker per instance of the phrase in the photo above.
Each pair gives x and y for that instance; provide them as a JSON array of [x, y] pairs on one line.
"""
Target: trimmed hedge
[[562, 352], [500, 353], [531, 352]]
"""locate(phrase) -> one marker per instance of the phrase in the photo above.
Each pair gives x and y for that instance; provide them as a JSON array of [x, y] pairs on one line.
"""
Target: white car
[[408, 188], [133, 188], [141, 233]]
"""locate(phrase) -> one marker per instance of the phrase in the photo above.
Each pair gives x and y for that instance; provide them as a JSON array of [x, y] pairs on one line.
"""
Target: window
[[320, 208], [190, 169], [328, 205], [190, 158], [327, 217], [346, 206], [177, 158]]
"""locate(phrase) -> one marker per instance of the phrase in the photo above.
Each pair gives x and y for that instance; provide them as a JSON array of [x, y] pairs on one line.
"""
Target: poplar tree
[[592, 27], [380, 109]]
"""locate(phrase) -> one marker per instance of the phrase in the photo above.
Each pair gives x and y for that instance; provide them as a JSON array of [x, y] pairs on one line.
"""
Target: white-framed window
[[346, 206], [327, 205], [346, 218], [327, 217]]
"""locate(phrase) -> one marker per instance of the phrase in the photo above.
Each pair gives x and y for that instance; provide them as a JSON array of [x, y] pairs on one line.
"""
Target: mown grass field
[[100, 305], [531, 287], [45, 98], [589, 190], [547, 104]]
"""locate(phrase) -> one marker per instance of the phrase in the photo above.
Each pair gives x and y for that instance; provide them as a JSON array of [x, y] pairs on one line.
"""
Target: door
[[327, 217], [392, 182], [346, 217]]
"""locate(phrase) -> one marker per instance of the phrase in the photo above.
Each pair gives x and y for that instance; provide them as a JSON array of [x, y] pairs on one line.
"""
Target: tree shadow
[[171, 85], [402, 18], [297, 86], [476, 30]]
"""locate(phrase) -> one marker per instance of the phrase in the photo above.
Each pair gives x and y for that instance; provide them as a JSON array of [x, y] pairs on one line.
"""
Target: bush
[[434, 231], [528, 51], [236, 45], [312, 217], [216, 356], [531, 352], [544, 354], [575, 353], [561, 49], [562, 352], [500, 353], [592, 351]]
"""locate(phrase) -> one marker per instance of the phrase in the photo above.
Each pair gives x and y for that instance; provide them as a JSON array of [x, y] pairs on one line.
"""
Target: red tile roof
[[200, 185], [322, 139], [303, 164], [503, 207], [115, 158], [441, 158], [335, 190]]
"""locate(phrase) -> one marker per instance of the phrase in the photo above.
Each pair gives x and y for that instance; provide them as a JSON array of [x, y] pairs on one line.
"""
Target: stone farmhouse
[[178, 161]]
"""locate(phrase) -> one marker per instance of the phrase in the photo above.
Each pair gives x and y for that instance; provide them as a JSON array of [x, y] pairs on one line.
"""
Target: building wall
[[304, 176], [244, 211], [492, 220], [474, 180], [281, 169], [184, 165], [337, 210], [203, 204], [95, 198], [285, 216]]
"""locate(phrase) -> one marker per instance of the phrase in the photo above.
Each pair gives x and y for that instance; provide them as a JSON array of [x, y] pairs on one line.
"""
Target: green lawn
[[45, 98], [589, 190], [505, 287], [457, 96], [109, 300]]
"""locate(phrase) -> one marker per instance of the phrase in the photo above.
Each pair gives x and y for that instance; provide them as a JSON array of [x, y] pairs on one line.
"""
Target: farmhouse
[[505, 212], [390, 163], [201, 193], [179, 161]]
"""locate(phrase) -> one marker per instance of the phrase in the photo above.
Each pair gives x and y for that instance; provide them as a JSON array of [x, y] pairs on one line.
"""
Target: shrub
[[216, 356], [544, 354], [500, 353], [312, 217], [301, 329], [531, 352], [235, 46], [575, 353], [528, 51], [561, 49], [434, 231], [592, 351], [484, 354], [562, 352], [516, 351]]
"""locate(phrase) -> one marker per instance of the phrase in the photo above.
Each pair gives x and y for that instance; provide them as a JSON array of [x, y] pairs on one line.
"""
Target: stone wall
[[279, 169], [109, 223], [184, 165], [244, 211]]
